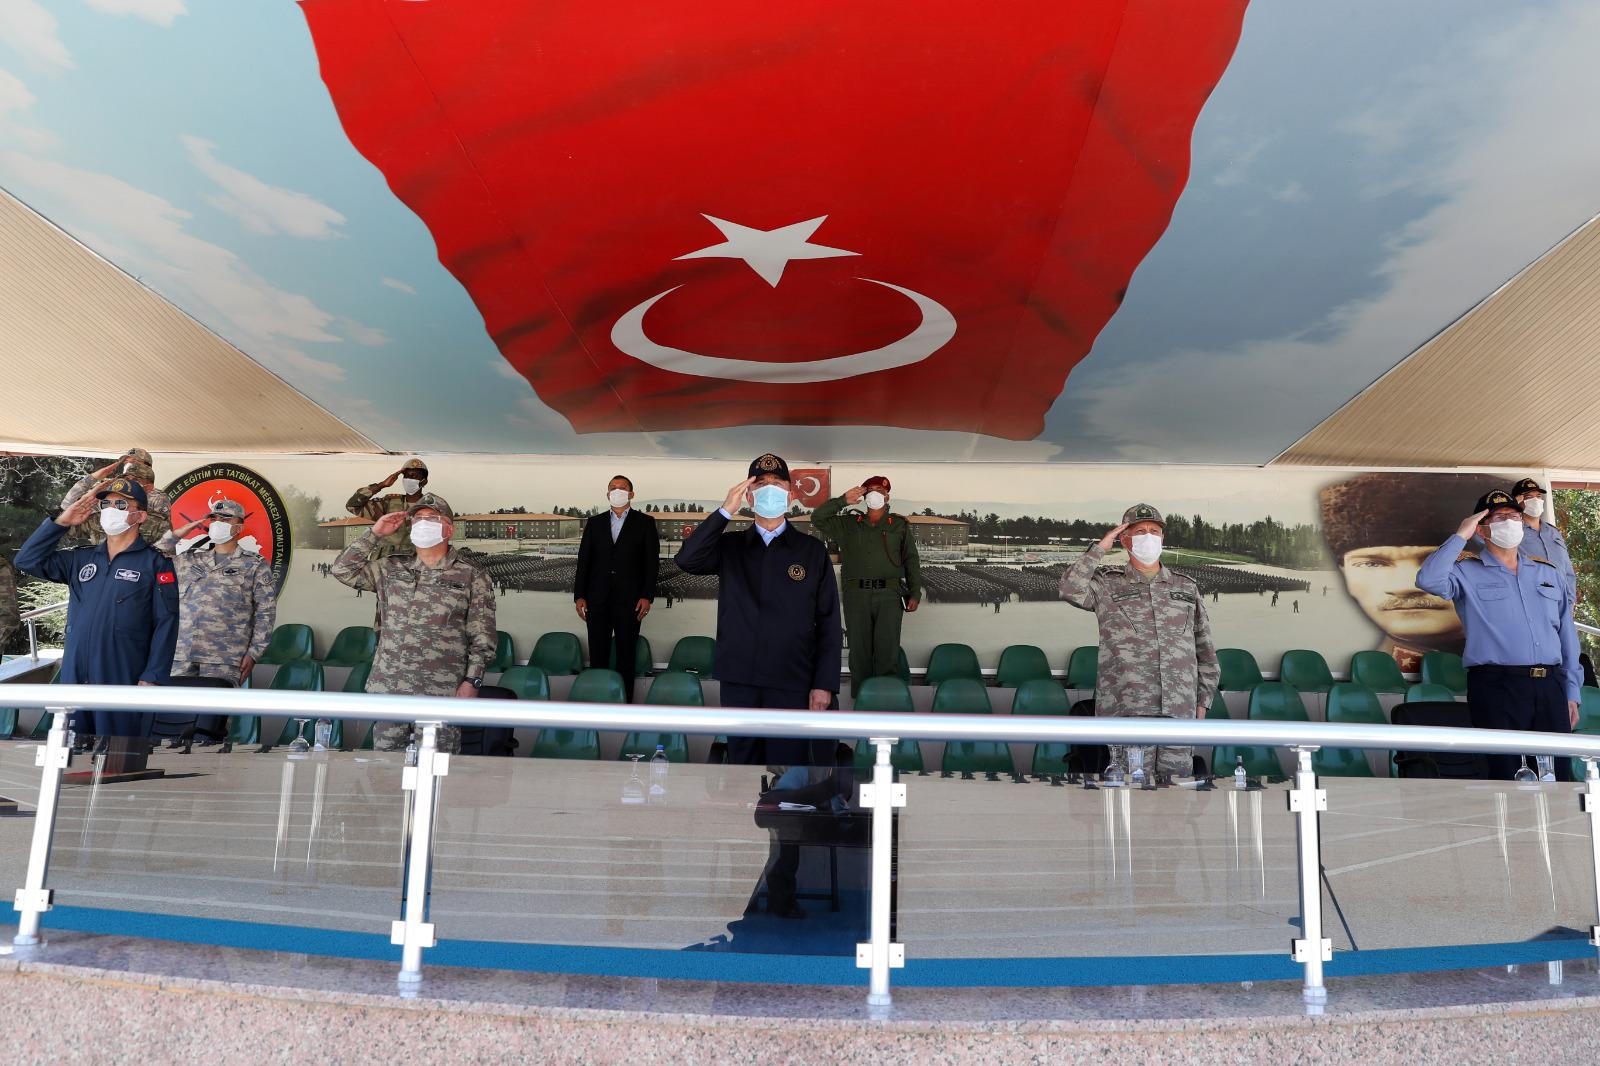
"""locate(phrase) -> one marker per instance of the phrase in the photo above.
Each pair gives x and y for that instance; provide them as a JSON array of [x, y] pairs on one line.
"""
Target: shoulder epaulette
[[1466, 555], [1539, 559], [1107, 570], [1184, 577]]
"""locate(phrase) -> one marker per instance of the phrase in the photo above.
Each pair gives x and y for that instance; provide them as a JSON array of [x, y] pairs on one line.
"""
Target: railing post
[[881, 797], [33, 899], [1590, 803], [414, 932], [1307, 800], [33, 640]]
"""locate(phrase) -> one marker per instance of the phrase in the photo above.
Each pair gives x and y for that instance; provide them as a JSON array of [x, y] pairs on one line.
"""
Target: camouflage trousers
[[396, 736], [1165, 761]]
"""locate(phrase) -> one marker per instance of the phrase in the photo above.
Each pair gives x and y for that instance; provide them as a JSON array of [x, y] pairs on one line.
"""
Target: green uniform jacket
[[887, 549]]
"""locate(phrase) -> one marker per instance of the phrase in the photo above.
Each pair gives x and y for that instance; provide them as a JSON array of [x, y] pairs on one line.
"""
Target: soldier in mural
[[1157, 658], [439, 614], [1379, 528], [366, 503]]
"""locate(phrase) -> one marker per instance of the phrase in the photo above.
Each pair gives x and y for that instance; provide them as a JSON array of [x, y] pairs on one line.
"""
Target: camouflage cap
[[1496, 500], [228, 509], [414, 464], [142, 471], [1525, 486], [124, 487], [438, 503], [140, 455], [1143, 512]]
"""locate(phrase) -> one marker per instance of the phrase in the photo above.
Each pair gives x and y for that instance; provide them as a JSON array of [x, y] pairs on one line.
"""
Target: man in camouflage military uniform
[[365, 503], [227, 601], [1156, 654], [438, 609], [134, 463], [10, 614], [879, 561]]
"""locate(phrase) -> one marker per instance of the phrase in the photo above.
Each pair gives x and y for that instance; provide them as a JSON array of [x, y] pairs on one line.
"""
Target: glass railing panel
[[19, 777], [1423, 863], [577, 852], [993, 866], [305, 841]]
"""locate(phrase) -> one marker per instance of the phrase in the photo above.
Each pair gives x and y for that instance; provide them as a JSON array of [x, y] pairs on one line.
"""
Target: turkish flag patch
[[906, 213], [166, 577]]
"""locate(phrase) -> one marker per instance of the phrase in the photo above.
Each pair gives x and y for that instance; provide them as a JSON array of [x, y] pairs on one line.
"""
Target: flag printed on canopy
[[679, 216]]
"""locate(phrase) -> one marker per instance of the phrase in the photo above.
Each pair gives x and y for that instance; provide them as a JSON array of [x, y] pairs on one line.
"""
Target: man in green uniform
[[880, 568], [366, 503]]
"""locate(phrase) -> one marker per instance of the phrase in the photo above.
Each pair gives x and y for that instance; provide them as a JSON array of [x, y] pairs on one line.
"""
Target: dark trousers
[[615, 623], [872, 617], [1504, 698], [783, 861]]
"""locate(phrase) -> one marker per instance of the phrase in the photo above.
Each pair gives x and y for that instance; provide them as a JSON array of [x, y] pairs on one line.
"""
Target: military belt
[[1516, 671]]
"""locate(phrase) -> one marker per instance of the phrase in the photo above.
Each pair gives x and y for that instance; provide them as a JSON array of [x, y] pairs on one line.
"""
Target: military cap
[[1392, 509], [763, 465], [228, 509], [139, 455], [124, 487], [438, 503], [142, 471], [414, 464], [877, 481], [1143, 512], [1496, 500], [1526, 485]]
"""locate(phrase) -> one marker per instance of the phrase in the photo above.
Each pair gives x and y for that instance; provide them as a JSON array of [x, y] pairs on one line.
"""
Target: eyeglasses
[[121, 505]]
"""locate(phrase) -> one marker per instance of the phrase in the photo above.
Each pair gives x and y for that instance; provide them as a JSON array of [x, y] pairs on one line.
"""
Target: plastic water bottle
[[1241, 780], [658, 775], [1547, 767], [323, 731], [1136, 767]]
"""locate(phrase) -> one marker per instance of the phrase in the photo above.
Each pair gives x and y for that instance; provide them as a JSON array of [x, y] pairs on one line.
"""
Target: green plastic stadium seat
[[566, 744], [352, 646], [1306, 670], [290, 641], [1444, 668], [677, 746], [643, 664], [694, 655], [298, 675], [961, 695], [1377, 671], [505, 652], [676, 689], [952, 661], [1050, 758], [888, 694], [902, 666], [1083, 667], [356, 680], [8, 722], [1239, 670], [558, 654], [905, 756], [1042, 695], [1356, 705], [1425, 693], [1021, 662], [1588, 723], [1218, 711], [528, 682], [246, 729], [1276, 701], [598, 686], [977, 757]]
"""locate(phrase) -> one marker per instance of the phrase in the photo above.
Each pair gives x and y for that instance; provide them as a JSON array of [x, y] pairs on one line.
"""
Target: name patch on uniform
[[126, 575], [87, 571], [797, 572], [166, 577], [1187, 597]]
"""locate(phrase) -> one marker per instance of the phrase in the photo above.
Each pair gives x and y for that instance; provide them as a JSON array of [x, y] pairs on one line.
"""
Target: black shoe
[[790, 909]]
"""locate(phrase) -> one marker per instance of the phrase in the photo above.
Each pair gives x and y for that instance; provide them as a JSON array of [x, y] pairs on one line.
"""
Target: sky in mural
[[1362, 174]]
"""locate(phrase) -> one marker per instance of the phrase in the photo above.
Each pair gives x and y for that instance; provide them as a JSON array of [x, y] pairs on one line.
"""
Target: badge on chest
[[797, 572]]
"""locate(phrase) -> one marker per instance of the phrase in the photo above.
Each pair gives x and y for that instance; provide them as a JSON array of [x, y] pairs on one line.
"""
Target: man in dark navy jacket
[[778, 631], [122, 604], [616, 580]]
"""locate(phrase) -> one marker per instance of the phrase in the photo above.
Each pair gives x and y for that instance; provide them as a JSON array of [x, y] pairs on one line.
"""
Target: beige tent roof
[[71, 324], [1515, 382]]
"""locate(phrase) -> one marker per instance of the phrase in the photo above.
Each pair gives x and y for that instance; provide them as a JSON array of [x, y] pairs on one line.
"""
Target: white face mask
[[617, 498], [1533, 506], [770, 501], [876, 501], [1506, 534], [220, 532], [410, 486], [1146, 548], [114, 521], [426, 532]]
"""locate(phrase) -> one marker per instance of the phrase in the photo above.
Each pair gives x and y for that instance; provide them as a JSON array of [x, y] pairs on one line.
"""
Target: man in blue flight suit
[[1522, 648], [122, 605], [1542, 537], [779, 635]]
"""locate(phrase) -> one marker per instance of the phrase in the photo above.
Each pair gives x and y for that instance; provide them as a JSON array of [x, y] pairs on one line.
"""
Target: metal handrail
[[29, 618], [40, 612], [1584, 627], [823, 725]]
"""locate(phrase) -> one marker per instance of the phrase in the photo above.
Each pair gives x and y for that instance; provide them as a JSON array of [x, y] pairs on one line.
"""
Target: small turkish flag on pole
[[811, 486], [687, 216]]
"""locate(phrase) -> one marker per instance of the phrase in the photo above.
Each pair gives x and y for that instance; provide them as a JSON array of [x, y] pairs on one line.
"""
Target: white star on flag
[[767, 251]]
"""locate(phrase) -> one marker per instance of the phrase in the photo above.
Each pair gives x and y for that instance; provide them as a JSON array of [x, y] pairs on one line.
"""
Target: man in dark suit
[[616, 580]]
